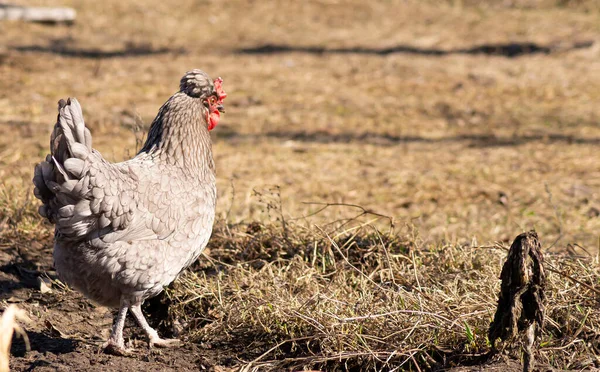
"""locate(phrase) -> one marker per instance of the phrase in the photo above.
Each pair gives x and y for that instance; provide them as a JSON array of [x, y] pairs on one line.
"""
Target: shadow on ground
[[60, 47], [385, 139], [43, 343], [510, 50]]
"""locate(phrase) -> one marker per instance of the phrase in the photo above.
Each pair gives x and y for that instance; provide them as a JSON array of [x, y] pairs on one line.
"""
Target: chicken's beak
[[220, 108]]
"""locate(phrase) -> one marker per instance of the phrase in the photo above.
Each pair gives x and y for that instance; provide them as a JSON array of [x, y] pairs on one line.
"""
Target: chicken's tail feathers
[[70, 146], [70, 138]]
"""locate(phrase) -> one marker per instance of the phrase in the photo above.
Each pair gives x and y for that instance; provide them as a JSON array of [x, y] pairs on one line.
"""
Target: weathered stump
[[520, 312]]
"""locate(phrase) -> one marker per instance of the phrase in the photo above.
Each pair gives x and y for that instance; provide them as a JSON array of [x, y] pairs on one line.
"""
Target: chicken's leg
[[153, 337], [116, 344]]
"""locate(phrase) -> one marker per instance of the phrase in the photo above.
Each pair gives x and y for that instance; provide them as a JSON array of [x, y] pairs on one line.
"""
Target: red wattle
[[213, 119]]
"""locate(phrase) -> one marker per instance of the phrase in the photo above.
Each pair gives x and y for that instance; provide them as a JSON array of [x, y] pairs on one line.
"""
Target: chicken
[[124, 231]]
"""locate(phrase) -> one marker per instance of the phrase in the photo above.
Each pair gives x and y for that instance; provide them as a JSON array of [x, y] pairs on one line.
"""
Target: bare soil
[[67, 330]]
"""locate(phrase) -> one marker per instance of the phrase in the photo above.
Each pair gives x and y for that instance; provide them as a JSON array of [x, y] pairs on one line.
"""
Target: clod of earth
[[520, 309]]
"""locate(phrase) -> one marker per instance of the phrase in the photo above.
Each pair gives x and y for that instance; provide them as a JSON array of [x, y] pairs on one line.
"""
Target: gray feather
[[66, 211], [79, 150], [60, 169], [74, 166], [82, 209]]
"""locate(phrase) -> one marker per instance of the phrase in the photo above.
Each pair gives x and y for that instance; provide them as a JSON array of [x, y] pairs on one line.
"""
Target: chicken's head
[[197, 84]]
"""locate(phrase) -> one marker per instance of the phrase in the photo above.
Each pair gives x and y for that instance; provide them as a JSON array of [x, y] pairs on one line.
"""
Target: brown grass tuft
[[360, 298]]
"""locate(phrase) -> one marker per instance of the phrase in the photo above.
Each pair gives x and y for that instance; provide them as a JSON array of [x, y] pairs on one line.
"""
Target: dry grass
[[362, 299], [461, 145]]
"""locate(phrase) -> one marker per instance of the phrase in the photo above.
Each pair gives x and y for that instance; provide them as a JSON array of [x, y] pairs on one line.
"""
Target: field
[[374, 164]]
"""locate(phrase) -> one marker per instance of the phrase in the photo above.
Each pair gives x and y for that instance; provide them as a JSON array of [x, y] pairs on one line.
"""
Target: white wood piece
[[37, 14]]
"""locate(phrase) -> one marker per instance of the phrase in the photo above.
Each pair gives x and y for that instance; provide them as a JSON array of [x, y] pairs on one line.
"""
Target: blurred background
[[467, 120]]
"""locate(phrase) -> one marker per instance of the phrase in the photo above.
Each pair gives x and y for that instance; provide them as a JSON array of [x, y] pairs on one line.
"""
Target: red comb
[[219, 88]]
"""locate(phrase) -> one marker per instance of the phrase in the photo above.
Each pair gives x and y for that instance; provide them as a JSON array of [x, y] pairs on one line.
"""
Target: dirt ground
[[67, 331], [468, 121]]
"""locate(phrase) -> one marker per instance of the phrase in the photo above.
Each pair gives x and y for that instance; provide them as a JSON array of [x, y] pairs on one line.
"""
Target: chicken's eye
[[212, 101]]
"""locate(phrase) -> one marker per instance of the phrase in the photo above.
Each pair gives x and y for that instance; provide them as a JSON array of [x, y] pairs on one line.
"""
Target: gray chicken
[[124, 231]]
